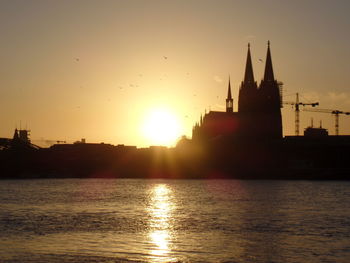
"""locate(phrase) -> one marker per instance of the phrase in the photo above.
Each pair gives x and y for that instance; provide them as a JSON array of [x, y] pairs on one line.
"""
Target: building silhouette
[[22, 135], [259, 109]]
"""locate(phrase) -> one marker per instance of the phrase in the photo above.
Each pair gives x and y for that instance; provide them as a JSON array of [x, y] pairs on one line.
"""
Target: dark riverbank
[[292, 158]]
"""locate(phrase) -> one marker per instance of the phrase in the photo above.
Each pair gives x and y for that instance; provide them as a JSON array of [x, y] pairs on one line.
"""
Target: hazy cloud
[[220, 106], [217, 79], [338, 96], [329, 100], [249, 37], [309, 97]]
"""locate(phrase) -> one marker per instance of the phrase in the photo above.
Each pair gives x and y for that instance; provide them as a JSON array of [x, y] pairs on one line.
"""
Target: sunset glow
[[161, 127], [72, 69]]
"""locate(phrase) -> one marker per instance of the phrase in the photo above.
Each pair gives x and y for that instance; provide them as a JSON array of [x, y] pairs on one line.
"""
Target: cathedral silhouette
[[259, 109]]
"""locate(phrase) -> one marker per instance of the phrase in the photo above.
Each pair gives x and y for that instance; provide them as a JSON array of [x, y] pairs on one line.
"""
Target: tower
[[15, 135], [247, 99], [270, 100], [229, 100]]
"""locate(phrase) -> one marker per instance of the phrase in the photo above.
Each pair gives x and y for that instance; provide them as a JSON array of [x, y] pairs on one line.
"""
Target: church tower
[[270, 100], [229, 100], [247, 98]]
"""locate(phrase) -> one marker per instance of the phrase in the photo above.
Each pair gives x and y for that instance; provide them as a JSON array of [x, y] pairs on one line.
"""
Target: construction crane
[[334, 112], [297, 103]]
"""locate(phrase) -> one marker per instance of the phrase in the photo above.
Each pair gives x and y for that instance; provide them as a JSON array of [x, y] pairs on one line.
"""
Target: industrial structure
[[336, 114], [22, 135], [296, 104]]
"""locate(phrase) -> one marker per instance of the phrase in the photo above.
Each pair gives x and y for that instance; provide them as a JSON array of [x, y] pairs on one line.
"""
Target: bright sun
[[161, 127]]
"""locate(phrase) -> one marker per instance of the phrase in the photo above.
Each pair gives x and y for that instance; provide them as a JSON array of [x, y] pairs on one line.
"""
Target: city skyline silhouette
[[174, 131], [71, 67], [243, 144]]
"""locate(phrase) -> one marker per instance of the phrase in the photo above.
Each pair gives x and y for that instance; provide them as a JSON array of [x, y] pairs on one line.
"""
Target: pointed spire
[[229, 96], [268, 76], [249, 75], [229, 100]]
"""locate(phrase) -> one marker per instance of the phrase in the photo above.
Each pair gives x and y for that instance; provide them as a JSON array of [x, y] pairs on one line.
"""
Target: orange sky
[[92, 69]]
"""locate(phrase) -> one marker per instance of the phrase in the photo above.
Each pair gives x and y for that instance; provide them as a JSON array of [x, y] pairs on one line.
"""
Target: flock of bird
[[131, 85]]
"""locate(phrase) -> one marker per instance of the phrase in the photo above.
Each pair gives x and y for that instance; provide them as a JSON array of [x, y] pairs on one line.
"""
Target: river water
[[125, 220]]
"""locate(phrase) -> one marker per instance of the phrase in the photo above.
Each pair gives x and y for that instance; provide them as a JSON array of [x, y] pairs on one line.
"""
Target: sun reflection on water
[[160, 210], [160, 238]]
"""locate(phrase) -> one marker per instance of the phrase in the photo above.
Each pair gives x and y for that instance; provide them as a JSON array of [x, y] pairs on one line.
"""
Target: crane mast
[[336, 116], [297, 115], [297, 103]]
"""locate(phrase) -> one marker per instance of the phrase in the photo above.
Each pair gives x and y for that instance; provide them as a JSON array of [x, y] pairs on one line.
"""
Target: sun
[[161, 127]]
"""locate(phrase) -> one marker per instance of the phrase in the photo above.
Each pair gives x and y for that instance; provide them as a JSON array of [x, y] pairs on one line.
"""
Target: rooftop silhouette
[[246, 144]]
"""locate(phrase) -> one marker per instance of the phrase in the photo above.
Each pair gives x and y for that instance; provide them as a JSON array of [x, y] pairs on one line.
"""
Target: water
[[101, 220]]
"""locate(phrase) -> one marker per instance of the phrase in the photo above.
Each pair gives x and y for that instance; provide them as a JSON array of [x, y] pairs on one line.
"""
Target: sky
[[94, 69]]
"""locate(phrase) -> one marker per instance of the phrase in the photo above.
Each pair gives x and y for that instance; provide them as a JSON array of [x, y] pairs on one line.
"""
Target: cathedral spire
[[229, 100], [229, 96], [247, 96], [249, 75], [268, 76]]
